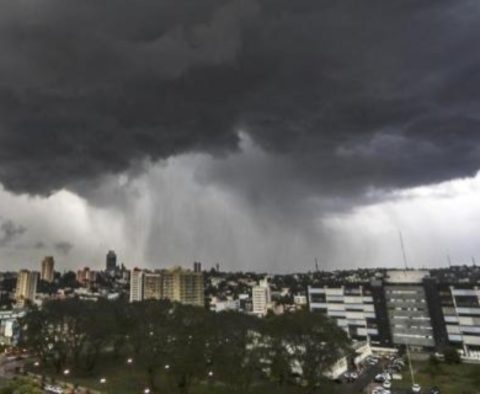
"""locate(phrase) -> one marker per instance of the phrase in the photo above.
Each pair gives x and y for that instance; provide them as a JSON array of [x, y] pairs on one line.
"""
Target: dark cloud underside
[[348, 95]]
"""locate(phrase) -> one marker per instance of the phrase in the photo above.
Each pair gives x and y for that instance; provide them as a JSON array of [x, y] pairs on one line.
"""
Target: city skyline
[[256, 134]]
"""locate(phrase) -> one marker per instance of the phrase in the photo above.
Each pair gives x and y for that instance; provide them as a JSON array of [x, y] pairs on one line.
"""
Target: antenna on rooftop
[[449, 260], [316, 265], [474, 262], [403, 250]]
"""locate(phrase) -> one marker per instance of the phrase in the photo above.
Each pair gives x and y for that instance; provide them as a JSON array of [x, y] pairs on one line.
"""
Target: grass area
[[130, 379], [451, 379]]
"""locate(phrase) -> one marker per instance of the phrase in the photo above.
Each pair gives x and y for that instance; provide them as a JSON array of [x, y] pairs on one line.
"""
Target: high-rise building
[[152, 286], [86, 276], [184, 286], [136, 285], [197, 266], [111, 262], [26, 286], [47, 273], [261, 298], [175, 284]]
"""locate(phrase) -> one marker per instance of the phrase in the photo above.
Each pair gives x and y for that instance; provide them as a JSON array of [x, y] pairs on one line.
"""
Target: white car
[[53, 389], [387, 384], [416, 388]]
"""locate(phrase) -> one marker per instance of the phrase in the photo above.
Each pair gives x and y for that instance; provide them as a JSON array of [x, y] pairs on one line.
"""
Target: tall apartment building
[[152, 286], [26, 286], [175, 284], [136, 285], [184, 286], [111, 262], [86, 276], [47, 271], [261, 298], [408, 310], [356, 308]]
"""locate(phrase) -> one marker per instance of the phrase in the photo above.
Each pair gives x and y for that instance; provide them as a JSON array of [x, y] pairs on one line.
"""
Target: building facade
[[175, 284], [461, 313], [354, 309], [136, 285], [261, 298], [47, 272], [111, 262], [408, 310], [26, 288]]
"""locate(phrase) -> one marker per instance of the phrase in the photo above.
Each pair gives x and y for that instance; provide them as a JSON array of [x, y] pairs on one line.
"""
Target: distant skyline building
[[197, 266], [48, 269], [136, 285], [26, 288], [261, 298], [86, 276], [175, 284], [111, 262], [152, 286]]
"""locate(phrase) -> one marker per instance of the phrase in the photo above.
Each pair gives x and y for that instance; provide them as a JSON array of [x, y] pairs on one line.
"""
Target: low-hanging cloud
[[345, 96]]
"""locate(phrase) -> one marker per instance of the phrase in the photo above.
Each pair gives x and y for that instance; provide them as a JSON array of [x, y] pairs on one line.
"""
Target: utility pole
[[403, 250]]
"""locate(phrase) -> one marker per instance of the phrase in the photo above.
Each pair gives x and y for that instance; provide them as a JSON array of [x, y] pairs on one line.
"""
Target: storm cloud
[[9, 231], [344, 96]]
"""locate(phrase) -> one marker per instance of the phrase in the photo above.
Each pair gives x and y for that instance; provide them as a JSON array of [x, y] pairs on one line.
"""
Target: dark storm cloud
[[10, 231], [63, 247], [345, 95]]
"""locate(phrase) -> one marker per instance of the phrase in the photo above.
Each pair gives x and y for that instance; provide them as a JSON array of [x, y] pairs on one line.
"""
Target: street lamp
[[103, 380], [36, 364], [129, 361], [167, 366], [146, 391], [66, 372]]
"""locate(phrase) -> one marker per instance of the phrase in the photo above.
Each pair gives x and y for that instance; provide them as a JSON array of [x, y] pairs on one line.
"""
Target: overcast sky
[[259, 134]]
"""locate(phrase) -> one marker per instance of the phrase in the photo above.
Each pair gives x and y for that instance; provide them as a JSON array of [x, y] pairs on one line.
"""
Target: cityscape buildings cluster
[[422, 309]]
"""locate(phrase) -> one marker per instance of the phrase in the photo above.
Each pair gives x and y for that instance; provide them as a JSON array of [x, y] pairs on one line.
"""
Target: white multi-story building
[[261, 298], [461, 311], [136, 285], [352, 308]]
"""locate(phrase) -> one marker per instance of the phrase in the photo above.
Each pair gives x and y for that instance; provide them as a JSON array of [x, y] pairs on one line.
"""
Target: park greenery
[[234, 351]]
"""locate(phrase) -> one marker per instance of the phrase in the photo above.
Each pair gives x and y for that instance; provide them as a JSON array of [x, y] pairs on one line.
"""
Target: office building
[[461, 313], [261, 298], [136, 285], [408, 310], [47, 271], [356, 308], [197, 267], [26, 288], [111, 262]]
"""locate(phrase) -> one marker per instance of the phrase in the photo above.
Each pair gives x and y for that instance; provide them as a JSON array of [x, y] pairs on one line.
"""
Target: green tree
[[310, 342], [236, 359], [451, 355]]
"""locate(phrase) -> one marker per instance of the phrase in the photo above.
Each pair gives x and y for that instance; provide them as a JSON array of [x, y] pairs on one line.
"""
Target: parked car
[[435, 390], [387, 384]]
